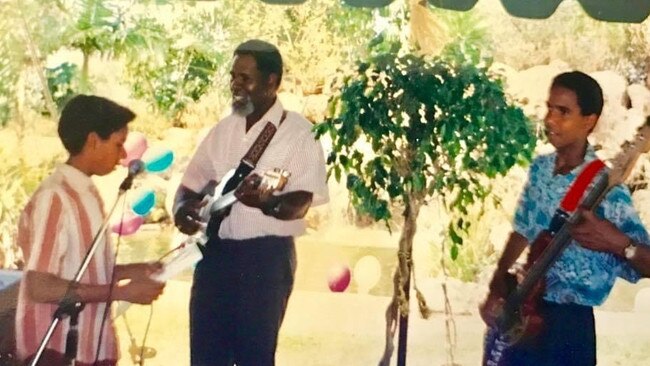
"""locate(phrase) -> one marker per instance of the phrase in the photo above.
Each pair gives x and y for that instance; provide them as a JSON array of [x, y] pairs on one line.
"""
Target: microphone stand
[[71, 304]]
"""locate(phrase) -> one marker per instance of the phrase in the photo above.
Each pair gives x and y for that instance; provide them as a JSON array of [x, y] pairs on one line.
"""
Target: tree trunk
[[402, 343], [411, 212], [85, 71]]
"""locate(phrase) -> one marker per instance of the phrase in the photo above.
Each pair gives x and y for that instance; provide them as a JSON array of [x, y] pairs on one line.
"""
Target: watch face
[[630, 251]]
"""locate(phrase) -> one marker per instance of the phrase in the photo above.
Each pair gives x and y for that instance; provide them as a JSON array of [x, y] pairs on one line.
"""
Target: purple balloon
[[135, 146], [129, 224]]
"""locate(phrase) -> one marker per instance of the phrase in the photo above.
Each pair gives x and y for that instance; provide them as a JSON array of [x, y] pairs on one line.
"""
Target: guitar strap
[[249, 161], [574, 195]]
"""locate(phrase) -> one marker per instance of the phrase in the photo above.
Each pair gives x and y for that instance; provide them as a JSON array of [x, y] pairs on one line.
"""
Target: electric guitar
[[518, 318], [218, 202], [189, 251]]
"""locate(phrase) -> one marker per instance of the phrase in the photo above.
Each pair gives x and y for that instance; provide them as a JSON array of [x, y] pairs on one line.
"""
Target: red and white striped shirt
[[55, 231], [293, 148]]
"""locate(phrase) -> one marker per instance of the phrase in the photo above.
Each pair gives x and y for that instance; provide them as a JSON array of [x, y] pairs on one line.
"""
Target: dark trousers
[[568, 338], [239, 297]]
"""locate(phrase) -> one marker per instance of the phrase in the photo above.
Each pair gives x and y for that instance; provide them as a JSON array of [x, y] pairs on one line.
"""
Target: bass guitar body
[[519, 320]]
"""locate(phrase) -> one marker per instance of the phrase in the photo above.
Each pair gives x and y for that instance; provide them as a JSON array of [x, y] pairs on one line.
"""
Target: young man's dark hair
[[84, 114], [587, 90], [266, 55]]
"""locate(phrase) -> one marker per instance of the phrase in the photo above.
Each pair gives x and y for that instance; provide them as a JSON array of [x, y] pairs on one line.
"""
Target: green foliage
[[466, 30], [95, 26], [314, 39], [180, 67], [10, 61], [569, 35], [63, 81], [195, 49], [632, 56], [407, 127], [18, 183]]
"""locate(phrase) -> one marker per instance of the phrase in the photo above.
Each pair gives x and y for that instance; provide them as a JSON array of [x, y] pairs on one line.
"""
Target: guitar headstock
[[624, 161], [275, 179]]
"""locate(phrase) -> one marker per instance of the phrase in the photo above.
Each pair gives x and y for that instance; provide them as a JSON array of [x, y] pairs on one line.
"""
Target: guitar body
[[517, 323], [217, 199]]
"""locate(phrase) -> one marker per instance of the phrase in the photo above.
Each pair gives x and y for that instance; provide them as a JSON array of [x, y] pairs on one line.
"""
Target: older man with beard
[[242, 284]]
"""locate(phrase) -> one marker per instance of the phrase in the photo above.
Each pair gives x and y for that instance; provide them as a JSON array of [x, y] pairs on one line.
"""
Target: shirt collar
[[77, 179], [274, 114], [590, 154]]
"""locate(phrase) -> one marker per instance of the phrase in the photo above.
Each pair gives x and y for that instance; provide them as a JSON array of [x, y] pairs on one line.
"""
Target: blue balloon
[[144, 202], [159, 161]]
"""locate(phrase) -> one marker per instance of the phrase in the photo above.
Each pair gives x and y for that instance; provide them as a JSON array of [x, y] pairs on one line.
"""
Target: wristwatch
[[630, 250]]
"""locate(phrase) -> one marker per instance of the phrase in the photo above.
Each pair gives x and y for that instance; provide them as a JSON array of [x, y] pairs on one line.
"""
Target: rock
[[639, 97], [534, 98], [316, 107], [292, 102], [642, 301], [614, 87]]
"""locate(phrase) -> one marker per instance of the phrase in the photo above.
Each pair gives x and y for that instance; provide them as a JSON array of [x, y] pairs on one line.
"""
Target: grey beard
[[244, 110]]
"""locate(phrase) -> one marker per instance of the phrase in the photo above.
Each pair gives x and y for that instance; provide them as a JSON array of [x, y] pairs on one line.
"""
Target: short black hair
[[588, 92], [266, 55], [84, 114]]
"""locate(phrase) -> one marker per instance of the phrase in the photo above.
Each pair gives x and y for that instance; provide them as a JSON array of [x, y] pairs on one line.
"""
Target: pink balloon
[[135, 146], [338, 278], [129, 224]]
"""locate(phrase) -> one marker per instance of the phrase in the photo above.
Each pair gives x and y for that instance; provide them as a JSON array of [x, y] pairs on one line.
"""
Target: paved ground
[[328, 329]]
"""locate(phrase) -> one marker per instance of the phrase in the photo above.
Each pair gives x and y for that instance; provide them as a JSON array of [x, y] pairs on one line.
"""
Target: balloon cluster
[[366, 274], [156, 160]]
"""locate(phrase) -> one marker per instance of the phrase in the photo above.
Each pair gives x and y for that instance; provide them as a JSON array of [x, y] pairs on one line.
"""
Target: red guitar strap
[[579, 186]]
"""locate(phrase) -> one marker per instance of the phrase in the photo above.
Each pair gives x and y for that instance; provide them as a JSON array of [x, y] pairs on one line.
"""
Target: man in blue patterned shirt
[[608, 244]]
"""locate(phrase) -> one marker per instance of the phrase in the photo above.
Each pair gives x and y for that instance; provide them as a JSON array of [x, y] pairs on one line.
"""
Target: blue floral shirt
[[580, 275]]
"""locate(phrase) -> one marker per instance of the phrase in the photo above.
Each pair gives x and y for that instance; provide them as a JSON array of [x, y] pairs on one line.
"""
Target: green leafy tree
[[62, 81], [28, 32], [92, 26], [407, 129], [314, 39], [180, 67]]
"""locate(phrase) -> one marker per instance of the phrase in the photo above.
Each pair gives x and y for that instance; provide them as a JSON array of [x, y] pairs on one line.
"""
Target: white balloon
[[366, 273]]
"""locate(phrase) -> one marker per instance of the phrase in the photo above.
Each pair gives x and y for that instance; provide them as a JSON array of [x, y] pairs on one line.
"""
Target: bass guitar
[[518, 318]]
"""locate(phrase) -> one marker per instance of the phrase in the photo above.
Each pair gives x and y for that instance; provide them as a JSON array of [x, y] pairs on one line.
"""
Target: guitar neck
[[558, 243], [223, 202]]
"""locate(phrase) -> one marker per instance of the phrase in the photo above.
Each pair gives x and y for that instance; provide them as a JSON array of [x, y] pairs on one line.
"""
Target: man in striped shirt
[[55, 231], [242, 285]]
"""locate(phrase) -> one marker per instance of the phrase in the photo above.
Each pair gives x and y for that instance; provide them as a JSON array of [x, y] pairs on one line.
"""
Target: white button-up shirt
[[292, 148]]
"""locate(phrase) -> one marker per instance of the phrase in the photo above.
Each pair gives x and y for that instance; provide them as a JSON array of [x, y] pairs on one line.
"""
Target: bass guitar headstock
[[624, 162]]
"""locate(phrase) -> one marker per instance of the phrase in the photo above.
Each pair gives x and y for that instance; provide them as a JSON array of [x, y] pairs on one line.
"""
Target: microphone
[[136, 166]]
